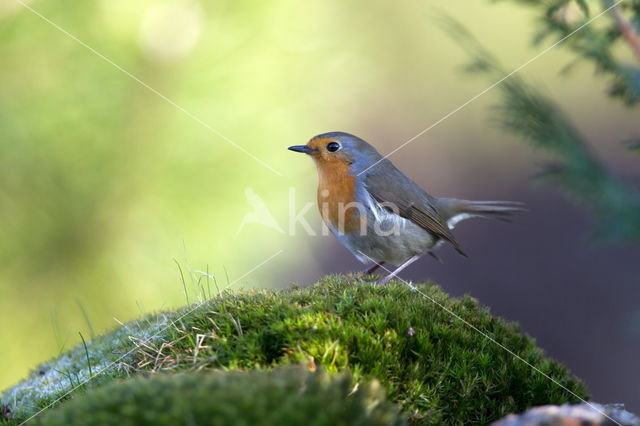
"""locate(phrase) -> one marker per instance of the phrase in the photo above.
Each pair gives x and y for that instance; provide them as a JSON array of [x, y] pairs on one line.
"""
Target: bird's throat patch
[[337, 198]]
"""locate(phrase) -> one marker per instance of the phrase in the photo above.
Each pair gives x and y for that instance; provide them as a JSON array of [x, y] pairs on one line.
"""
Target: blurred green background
[[104, 184]]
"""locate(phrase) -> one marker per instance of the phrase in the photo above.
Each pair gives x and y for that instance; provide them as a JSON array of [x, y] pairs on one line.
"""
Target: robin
[[380, 214]]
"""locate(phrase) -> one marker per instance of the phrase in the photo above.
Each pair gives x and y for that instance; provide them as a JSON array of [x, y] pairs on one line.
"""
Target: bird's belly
[[389, 238]]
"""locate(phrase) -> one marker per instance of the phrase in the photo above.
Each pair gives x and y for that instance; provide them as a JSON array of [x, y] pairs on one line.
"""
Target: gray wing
[[387, 185]]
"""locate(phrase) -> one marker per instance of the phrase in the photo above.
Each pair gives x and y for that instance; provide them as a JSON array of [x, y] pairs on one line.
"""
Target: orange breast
[[336, 197]]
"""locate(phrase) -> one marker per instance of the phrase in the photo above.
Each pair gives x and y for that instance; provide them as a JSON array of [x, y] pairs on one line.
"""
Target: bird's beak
[[302, 148]]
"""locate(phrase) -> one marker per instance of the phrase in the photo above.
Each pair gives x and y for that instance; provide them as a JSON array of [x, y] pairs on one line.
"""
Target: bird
[[378, 213]]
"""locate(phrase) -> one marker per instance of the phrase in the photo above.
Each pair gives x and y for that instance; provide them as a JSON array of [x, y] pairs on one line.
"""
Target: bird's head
[[335, 148]]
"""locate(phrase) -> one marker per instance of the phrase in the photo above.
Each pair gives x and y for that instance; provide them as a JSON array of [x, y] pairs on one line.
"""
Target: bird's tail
[[457, 210]]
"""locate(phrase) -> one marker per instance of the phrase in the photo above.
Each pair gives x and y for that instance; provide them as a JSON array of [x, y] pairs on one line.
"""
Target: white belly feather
[[388, 237]]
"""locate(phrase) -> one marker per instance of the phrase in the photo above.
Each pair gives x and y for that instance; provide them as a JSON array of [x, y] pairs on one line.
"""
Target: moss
[[290, 396], [108, 358], [431, 363]]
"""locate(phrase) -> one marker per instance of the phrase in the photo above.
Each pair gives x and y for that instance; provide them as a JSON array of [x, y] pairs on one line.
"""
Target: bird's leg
[[373, 268], [397, 270]]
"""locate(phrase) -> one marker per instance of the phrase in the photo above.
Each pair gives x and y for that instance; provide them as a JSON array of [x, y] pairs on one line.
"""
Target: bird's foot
[[384, 280], [373, 268]]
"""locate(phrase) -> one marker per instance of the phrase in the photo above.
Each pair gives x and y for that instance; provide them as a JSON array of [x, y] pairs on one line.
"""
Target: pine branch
[[626, 30], [575, 169]]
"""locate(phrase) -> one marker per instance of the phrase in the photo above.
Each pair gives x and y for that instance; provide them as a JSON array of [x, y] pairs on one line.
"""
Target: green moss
[[431, 363], [108, 358], [290, 396]]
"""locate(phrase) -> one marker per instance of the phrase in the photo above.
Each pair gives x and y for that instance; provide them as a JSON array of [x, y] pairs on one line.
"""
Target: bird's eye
[[333, 146]]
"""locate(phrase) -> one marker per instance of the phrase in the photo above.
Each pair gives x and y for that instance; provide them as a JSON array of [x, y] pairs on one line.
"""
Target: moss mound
[[434, 365], [290, 396]]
